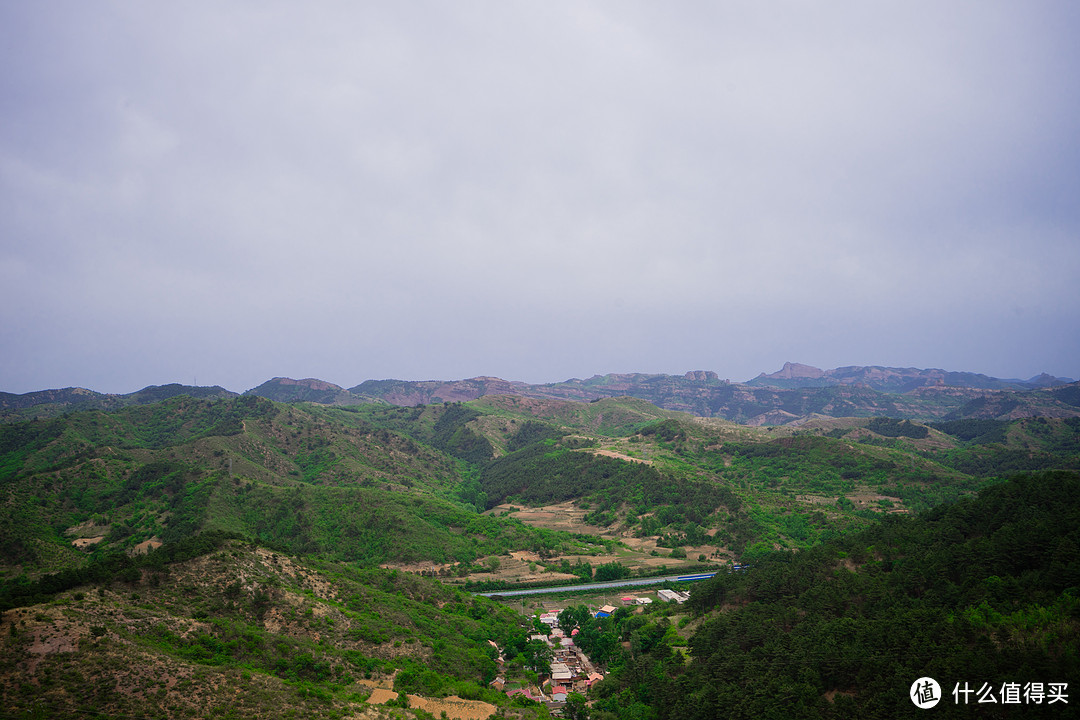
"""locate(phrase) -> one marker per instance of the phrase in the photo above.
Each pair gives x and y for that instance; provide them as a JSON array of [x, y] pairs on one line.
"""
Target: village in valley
[[571, 670]]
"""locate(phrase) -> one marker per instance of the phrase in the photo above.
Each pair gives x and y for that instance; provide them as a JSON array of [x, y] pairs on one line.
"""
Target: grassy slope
[[305, 478], [381, 484], [795, 486], [248, 632], [606, 417]]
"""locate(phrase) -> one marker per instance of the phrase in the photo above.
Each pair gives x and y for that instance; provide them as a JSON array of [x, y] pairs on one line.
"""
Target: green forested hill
[[301, 477], [985, 590], [376, 484], [53, 403], [823, 628], [639, 470]]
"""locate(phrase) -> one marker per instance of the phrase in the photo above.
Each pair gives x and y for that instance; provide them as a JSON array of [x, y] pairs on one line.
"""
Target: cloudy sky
[[224, 192]]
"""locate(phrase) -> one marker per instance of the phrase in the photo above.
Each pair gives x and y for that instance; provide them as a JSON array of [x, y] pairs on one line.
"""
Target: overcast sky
[[224, 192]]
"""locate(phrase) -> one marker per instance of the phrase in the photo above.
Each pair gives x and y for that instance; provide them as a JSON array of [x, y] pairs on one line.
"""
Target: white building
[[673, 595], [560, 672]]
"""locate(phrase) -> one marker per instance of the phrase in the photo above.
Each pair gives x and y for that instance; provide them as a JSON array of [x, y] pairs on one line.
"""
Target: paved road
[[600, 586]]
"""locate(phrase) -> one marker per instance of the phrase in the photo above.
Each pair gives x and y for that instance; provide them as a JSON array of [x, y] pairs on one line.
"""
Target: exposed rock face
[[792, 370]]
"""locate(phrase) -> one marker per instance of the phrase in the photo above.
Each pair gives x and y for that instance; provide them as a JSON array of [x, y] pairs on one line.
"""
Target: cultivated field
[[635, 553]]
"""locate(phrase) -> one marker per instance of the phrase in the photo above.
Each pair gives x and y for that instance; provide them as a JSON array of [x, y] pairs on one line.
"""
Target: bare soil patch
[[830, 695], [563, 516], [146, 546], [621, 456], [380, 696], [861, 499], [454, 707]]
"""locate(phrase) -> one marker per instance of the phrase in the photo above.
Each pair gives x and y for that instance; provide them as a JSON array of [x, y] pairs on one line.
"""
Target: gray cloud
[[351, 190]]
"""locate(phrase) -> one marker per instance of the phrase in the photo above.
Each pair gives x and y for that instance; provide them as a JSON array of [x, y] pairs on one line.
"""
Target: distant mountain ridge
[[792, 394], [45, 403], [426, 392], [283, 389], [844, 392], [895, 380]]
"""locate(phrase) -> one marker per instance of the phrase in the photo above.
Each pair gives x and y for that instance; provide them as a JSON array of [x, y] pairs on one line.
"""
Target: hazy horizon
[[350, 384], [355, 190]]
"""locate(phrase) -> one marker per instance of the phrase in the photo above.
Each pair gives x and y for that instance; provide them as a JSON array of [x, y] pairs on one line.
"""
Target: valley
[[240, 556]]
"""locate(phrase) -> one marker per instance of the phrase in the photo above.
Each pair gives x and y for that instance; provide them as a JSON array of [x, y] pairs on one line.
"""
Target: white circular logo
[[925, 693]]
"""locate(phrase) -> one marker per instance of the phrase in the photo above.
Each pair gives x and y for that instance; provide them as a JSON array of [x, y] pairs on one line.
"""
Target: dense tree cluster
[[891, 427], [113, 567], [530, 432], [986, 590], [977, 431]]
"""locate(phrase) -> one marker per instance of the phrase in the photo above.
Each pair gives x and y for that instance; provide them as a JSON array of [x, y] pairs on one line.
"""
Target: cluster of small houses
[[571, 670]]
